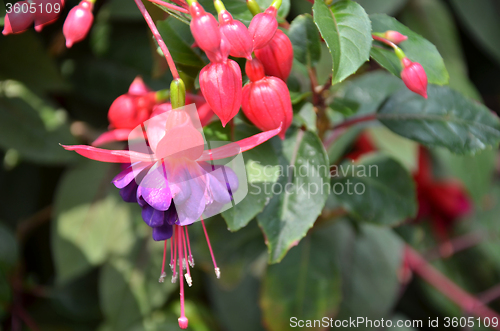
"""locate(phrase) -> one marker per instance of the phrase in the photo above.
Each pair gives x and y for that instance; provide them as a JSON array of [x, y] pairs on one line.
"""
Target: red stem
[[354, 121], [444, 285], [158, 38], [170, 6]]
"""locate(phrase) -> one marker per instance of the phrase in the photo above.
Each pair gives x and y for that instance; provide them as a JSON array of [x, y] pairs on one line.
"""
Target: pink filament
[[170, 6], [185, 252], [175, 251], [172, 250], [208, 242], [181, 281], [164, 254], [189, 245]]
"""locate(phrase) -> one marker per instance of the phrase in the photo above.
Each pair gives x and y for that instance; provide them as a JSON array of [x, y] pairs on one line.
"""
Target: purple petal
[[163, 232], [171, 215], [129, 192], [154, 188], [153, 217], [192, 209]]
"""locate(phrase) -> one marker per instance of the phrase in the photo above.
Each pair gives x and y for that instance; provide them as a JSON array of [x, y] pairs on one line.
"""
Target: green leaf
[[299, 194], [446, 119], [129, 287], [433, 20], [389, 7], [178, 38], [367, 92], [19, 63], [375, 189], [90, 220], [306, 284], [262, 169], [416, 48], [8, 248], [370, 260], [481, 19], [345, 27], [305, 40], [35, 133]]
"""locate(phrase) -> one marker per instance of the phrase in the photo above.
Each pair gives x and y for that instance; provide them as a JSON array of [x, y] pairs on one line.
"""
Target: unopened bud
[[395, 36], [78, 23], [414, 77]]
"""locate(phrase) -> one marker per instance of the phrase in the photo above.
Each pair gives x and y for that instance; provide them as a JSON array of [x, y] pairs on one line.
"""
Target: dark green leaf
[[129, 287], [375, 189], [178, 38], [445, 119], [34, 133], [389, 7], [90, 221], [416, 48], [481, 18], [262, 169], [306, 284], [305, 40], [299, 194], [346, 29], [370, 260]]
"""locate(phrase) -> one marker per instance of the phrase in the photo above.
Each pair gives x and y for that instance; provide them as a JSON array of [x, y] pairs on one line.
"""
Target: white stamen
[[174, 278], [189, 281], [191, 261], [162, 277], [217, 272]]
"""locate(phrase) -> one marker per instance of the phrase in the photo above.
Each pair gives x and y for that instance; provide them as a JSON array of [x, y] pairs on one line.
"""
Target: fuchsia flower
[[17, 22], [237, 35], [46, 12], [78, 23], [204, 28], [266, 100], [174, 184], [277, 56], [414, 77]]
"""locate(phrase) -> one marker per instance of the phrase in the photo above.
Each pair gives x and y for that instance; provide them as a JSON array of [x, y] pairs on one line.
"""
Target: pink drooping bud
[[236, 34], [133, 108], [220, 84], [17, 22], [266, 100], [204, 28], [395, 36], [78, 23], [47, 12], [414, 77], [277, 56], [263, 27]]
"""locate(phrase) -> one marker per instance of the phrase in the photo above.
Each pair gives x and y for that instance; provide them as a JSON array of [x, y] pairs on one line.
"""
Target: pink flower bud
[[263, 27], [277, 56], [47, 12], [266, 102], [236, 34], [78, 23], [221, 54], [204, 28], [414, 77], [220, 84], [395, 36], [17, 22]]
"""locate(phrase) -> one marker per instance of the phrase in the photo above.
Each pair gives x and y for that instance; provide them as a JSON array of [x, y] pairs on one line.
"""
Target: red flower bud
[[78, 23], [221, 54], [47, 12], [204, 28], [266, 101], [133, 108], [395, 37], [414, 77], [236, 34], [220, 84], [17, 22], [263, 27], [277, 56]]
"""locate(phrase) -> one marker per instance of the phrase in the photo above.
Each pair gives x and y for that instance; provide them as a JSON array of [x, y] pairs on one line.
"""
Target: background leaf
[[388, 193], [416, 48], [346, 29], [315, 290], [294, 207], [446, 119], [305, 40]]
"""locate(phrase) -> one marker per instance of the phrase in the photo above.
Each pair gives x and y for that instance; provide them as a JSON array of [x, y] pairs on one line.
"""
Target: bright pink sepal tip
[[395, 37]]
